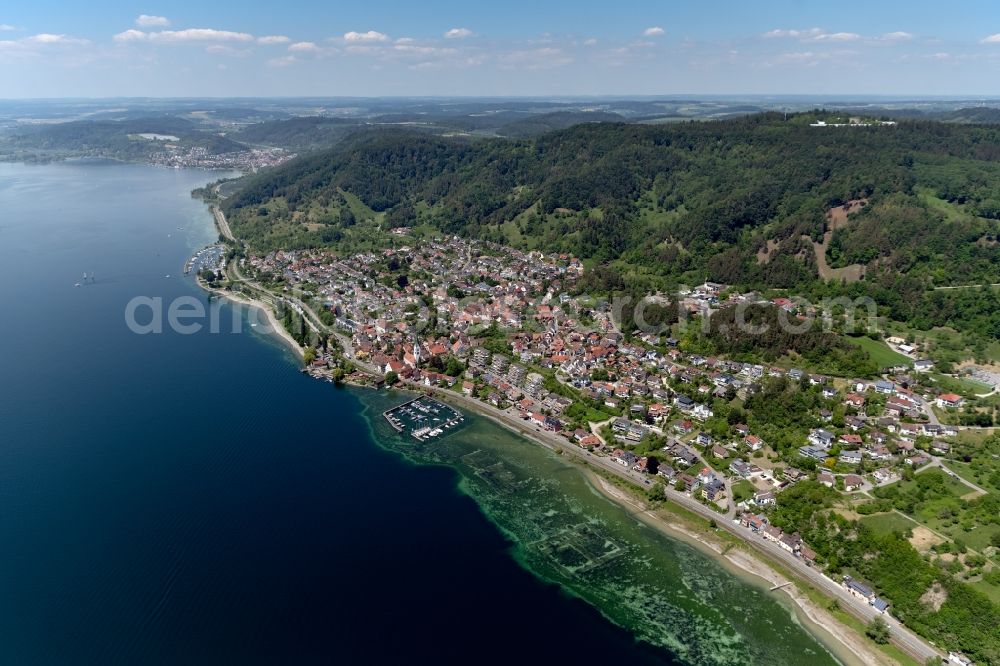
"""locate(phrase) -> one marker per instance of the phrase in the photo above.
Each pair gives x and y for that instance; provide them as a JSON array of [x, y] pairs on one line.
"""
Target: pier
[[211, 258], [423, 418]]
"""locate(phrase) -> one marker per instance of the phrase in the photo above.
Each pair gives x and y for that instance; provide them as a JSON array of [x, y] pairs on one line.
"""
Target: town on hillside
[[510, 330]]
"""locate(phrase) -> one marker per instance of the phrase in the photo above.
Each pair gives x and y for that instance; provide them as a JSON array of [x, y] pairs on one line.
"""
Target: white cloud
[[838, 37], [797, 34], [458, 33], [202, 35], [46, 38], [370, 36], [189, 35], [655, 31], [423, 51], [33, 45], [130, 35], [273, 39], [222, 49], [992, 39], [940, 56], [283, 61], [813, 35], [898, 36], [147, 21], [304, 47], [780, 32], [590, 42], [6, 27]]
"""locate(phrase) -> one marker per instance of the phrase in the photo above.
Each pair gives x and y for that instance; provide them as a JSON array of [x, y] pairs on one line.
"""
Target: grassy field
[[889, 522], [966, 387], [944, 515], [880, 352], [965, 471], [991, 591], [979, 538], [742, 490], [930, 512], [951, 212], [943, 344], [982, 471]]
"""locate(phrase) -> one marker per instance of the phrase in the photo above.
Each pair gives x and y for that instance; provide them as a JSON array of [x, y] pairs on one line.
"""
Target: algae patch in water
[[662, 590]]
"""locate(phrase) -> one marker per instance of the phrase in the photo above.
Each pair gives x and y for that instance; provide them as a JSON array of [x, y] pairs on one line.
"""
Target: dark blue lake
[[192, 499]]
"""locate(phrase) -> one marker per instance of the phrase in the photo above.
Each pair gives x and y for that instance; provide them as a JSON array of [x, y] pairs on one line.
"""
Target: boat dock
[[423, 418], [210, 258]]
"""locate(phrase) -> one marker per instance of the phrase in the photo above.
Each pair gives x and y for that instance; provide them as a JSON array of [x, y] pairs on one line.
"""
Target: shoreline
[[274, 326], [831, 633], [222, 228], [844, 643], [828, 631]]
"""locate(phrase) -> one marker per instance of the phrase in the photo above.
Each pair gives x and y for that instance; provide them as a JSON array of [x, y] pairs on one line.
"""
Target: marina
[[423, 418], [211, 258]]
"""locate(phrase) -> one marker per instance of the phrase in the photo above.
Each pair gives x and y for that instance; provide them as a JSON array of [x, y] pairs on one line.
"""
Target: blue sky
[[543, 47]]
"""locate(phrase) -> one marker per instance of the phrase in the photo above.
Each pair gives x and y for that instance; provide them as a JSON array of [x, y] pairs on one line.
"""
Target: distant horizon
[[540, 97]]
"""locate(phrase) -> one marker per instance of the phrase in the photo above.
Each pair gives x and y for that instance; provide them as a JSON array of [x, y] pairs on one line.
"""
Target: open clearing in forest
[[835, 219]]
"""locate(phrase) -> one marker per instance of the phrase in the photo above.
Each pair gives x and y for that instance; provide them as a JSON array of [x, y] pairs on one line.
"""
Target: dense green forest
[[740, 201], [301, 133], [761, 334], [310, 133], [541, 123]]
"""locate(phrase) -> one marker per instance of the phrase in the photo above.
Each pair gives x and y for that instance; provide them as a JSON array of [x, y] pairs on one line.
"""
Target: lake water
[[192, 499]]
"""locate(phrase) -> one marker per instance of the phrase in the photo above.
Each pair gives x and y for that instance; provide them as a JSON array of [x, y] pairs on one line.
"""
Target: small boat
[[77, 284]]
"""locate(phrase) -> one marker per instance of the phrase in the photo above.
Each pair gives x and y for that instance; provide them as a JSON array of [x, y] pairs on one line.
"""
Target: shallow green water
[[663, 590]]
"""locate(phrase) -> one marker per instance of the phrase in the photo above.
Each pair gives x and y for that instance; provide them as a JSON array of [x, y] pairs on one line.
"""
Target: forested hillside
[[301, 133], [116, 138], [740, 201]]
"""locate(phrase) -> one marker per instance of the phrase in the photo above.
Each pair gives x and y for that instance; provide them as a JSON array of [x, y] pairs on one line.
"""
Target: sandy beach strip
[[222, 226], [847, 646], [273, 326]]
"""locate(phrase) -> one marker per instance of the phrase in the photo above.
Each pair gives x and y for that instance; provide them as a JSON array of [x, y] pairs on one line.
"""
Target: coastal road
[[222, 223], [902, 637], [307, 313]]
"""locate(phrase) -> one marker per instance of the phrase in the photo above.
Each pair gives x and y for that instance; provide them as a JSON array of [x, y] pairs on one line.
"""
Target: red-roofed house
[[946, 400]]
